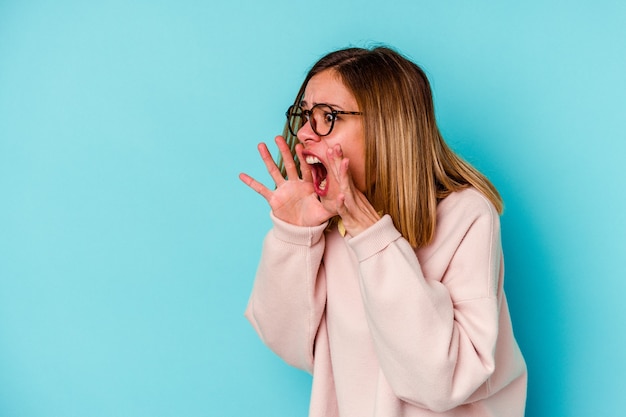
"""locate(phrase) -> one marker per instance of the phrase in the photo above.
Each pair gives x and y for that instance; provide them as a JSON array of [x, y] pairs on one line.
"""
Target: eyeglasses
[[321, 116]]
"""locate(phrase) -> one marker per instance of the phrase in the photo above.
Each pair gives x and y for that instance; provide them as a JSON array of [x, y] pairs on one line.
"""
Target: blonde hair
[[409, 167]]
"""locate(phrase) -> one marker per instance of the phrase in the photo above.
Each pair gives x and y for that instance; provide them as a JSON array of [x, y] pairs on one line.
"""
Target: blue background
[[128, 246]]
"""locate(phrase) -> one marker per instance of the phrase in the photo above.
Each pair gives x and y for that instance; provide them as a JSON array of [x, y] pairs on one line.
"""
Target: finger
[[288, 162], [344, 170], [256, 186], [341, 206], [335, 152], [336, 155], [304, 167], [270, 165], [337, 149], [345, 179]]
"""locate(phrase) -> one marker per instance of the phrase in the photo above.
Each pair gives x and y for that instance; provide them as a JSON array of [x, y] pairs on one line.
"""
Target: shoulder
[[467, 230], [467, 209], [468, 202]]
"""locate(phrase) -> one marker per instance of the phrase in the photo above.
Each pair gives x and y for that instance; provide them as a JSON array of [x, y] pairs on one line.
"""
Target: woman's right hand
[[294, 200]]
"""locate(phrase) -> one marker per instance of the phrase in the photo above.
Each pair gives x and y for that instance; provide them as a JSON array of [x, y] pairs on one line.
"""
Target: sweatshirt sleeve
[[435, 336], [289, 293]]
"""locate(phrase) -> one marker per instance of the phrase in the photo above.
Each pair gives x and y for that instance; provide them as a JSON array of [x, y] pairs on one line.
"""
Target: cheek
[[359, 180], [357, 170]]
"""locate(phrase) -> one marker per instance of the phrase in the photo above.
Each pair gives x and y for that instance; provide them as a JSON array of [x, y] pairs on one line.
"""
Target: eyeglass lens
[[321, 116]]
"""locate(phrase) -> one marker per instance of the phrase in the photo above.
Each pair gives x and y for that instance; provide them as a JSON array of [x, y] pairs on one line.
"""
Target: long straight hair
[[408, 166]]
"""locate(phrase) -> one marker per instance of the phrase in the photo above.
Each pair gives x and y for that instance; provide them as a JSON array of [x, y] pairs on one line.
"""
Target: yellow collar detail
[[342, 229]]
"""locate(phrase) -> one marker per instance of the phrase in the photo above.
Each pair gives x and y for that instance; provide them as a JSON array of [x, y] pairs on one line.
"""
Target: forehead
[[328, 88]]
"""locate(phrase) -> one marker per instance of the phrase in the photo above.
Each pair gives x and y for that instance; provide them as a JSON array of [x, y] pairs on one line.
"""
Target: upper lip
[[307, 155]]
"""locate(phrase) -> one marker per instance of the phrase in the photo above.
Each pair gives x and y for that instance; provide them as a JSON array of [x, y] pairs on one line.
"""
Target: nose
[[306, 134]]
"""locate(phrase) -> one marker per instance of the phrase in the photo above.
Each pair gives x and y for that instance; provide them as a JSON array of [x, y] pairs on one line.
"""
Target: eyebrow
[[303, 103]]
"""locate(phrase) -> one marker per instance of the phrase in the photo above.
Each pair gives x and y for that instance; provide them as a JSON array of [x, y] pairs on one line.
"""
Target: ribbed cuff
[[374, 239], [297, 235]]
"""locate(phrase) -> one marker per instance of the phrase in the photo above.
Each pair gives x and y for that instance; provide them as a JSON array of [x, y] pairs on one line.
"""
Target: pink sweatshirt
[[387, 331]]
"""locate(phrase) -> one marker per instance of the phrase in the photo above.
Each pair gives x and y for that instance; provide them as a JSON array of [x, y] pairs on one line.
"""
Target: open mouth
[[319, 173]]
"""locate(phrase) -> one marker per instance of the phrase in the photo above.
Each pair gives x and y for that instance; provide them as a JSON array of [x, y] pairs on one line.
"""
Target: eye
[[329, 117]]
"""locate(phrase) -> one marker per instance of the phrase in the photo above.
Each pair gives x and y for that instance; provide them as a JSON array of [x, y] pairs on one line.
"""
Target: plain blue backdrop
[[128, 246]]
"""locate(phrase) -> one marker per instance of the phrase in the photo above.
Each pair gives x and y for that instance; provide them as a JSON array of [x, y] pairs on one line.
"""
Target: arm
[[289, 293], [435, 332]]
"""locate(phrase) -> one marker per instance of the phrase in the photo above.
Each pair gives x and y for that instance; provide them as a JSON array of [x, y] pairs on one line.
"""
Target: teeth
[[310, 159], [323, 184]]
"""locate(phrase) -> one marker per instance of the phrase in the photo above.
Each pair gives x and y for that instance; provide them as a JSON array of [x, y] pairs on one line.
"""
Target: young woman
[[382, 275]]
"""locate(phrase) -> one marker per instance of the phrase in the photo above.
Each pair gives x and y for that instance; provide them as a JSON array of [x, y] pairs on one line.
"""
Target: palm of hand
[[294, 200]]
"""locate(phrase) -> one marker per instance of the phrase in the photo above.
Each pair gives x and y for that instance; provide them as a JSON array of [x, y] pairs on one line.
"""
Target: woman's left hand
[[356, 212]]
